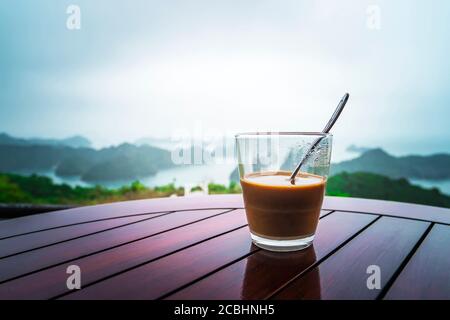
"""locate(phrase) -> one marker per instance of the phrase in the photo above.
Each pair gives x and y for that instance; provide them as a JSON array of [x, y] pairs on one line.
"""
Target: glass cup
[[283, 216]]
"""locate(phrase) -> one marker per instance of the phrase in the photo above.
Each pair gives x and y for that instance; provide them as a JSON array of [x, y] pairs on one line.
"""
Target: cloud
[[151, 68]]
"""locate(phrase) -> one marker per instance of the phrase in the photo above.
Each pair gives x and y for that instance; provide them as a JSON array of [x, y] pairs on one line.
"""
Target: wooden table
[[200, 248]]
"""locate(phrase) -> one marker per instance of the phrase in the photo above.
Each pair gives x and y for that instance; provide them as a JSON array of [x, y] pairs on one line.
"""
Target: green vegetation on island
[[41, 190], [375, 186]]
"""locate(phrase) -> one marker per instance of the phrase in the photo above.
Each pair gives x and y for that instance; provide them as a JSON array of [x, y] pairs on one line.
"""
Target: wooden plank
[[263, 272], [57, 219], [385, 244], [51, 282], [31, 261], [427, 274], [35, 240], [324, 213], [152, 280], [113, 210], [397, 209]]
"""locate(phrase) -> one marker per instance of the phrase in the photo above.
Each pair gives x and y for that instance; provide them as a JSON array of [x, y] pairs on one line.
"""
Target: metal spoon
[[327, 129]]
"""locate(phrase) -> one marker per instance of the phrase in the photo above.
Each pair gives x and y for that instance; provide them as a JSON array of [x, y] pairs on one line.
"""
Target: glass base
[[282, 245]]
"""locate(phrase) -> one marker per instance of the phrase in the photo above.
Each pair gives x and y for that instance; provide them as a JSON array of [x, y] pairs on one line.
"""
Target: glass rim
[[282, 133]]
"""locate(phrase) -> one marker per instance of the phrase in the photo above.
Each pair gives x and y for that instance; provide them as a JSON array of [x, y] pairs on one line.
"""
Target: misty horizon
[[345, 151]]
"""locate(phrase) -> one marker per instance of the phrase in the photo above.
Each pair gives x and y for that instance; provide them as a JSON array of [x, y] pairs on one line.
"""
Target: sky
[[152, 68]]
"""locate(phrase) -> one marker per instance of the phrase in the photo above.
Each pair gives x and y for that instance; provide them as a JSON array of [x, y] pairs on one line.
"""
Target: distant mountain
[[434, 167], [75, 141], [357, 149], [6, 139], [125, 161]]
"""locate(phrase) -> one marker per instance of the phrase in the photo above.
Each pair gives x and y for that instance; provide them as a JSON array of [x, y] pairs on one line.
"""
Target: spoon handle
[[336, 113], [327, 129]]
